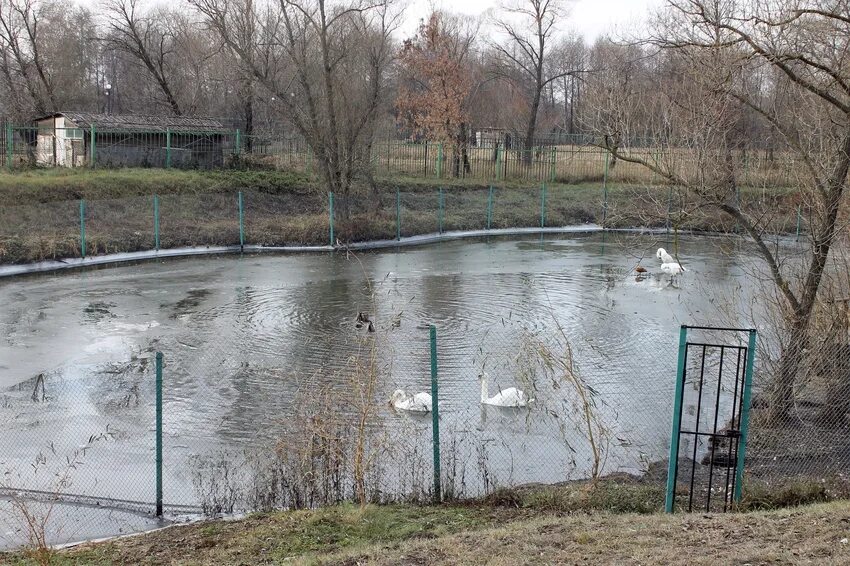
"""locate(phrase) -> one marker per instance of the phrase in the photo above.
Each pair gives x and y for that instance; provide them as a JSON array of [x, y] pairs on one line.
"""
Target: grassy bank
[[614, 523], [40, 210], [34, 186]]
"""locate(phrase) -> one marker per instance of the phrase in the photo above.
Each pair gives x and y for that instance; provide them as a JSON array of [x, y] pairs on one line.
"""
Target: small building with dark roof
[[73, 139]]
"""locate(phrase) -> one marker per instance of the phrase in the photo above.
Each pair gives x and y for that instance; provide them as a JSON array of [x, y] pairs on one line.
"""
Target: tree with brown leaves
[[433, 98]]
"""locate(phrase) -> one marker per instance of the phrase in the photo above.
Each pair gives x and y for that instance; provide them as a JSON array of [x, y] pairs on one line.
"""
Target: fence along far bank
[[572, 160]]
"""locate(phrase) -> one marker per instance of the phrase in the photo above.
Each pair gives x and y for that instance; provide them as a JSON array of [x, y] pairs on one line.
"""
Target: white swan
[[664, 256], [672, 269], [510, 397], [419, 403]]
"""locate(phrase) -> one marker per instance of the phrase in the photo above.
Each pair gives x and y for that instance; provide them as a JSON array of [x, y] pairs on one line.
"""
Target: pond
[[250, 341]]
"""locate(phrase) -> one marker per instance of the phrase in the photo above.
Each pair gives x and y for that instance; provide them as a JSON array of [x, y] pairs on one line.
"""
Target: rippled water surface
[[243, 337]]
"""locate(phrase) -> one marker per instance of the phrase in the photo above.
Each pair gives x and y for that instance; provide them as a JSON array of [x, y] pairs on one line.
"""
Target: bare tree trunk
[[531, 129], [783, 393], [463, 138], [249, 118], [334, 110]]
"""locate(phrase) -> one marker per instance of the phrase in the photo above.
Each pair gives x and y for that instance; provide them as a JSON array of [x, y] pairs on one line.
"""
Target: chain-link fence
[[247, 428], [93, 146], [59, 230], [343, 414], [800, 408]]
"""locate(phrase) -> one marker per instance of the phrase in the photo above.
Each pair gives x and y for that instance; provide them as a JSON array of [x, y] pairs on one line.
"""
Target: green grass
[[279, 537], [610, 496], [59, 184], [762, 496]]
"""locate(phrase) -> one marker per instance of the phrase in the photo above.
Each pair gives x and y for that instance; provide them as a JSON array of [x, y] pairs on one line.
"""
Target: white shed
[[60, 142]]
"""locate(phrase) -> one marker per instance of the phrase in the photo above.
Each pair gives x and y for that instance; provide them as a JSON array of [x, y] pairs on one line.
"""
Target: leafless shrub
[[453, 481], [544, 365], [216, 483], [32, 511]]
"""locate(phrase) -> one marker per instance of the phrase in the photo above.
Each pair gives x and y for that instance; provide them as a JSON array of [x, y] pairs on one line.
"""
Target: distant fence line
[[572, 160]]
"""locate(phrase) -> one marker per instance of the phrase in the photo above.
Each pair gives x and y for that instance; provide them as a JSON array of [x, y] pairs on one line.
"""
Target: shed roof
[[140, 123]]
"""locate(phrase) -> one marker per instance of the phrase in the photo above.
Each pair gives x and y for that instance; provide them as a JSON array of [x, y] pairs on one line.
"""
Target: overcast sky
[[590, 18]]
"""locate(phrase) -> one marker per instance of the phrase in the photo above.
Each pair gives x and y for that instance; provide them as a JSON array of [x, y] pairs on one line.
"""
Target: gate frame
[[675, 434]]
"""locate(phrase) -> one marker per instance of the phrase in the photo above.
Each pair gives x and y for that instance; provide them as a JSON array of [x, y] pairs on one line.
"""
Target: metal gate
[[710, 418]]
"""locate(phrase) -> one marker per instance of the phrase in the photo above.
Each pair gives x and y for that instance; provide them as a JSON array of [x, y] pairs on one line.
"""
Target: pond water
[[249, 341]]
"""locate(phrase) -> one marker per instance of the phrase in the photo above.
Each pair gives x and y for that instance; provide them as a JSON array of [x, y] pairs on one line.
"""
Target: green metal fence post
[[241, 222], [83, 228], [554, 158], [441, 204], [10, 145], [92, 152], [397, 215], [490, 207], [543, 205], [331, 215], [745, 417], [238, 143], [799, 217], [156, 222], [440, 161], [498, 161], [605, 190], [435, 415], [672, 465], [159, 434], [168, 147]]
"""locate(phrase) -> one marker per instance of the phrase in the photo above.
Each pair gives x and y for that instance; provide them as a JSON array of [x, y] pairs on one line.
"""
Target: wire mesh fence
[[58, 230], [800, 413], [341, 415], [576, 160], [250, 429]]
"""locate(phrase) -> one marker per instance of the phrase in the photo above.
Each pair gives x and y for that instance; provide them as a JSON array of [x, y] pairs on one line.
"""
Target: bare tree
[[572, 84], [20, 35], [146, 38], [618, 86], [328, 72], [526, 58], [717, 45]]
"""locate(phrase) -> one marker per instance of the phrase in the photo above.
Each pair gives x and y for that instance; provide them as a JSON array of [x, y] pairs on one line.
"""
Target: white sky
[[590, 18]]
